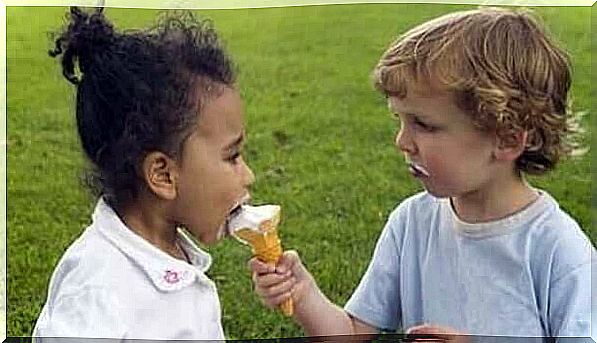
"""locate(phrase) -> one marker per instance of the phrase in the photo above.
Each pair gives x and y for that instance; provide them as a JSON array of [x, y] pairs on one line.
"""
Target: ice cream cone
[[266, 247]]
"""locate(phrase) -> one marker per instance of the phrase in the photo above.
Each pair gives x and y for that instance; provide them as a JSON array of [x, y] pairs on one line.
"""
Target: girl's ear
[[509, 148], [160, 174]]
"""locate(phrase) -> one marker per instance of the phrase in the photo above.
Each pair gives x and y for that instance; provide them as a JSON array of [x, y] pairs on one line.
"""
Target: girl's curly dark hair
[[138, 91]]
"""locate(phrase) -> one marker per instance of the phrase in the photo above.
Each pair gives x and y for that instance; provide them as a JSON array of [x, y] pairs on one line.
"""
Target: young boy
[[482, 100]]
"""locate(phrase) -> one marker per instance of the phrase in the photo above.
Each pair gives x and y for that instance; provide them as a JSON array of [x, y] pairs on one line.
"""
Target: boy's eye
[[234, 157], [424, 126]]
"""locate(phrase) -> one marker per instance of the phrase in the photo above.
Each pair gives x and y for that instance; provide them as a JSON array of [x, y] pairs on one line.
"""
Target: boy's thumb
[[288, 261]]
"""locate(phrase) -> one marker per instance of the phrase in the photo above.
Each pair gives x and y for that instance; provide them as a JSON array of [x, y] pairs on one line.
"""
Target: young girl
[[481, 97], [161, 123]]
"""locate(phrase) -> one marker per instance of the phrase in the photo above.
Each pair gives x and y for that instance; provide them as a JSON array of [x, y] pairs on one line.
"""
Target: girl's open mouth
[[235, 211]]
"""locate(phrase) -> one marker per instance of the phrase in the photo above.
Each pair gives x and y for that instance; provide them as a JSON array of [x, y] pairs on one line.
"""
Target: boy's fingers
[[260, 267], [277, 300], [419, 329], [423, 329], [280, 288], [431, 329], [270, 279], [413, 329], [443, 333]]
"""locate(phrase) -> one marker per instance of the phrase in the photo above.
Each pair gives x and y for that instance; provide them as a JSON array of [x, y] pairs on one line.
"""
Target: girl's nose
[[248, 176]]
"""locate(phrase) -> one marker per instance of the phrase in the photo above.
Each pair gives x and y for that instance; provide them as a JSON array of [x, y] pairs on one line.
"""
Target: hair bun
[[86, 35]]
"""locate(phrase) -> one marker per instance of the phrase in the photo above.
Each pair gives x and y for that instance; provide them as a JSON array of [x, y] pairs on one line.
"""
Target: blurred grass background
[[320, 143]]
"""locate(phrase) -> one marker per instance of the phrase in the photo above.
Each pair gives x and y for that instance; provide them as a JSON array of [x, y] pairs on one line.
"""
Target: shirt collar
[[166, 272], [544, 204]]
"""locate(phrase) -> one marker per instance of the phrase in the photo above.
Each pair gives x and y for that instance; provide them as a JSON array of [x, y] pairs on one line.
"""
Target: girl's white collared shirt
[[111, 283]]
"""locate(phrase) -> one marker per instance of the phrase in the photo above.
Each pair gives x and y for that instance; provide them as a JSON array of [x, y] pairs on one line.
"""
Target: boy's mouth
[[417, 170]]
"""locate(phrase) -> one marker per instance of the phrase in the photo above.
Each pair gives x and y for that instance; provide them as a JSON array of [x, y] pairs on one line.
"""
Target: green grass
[[320, 142]]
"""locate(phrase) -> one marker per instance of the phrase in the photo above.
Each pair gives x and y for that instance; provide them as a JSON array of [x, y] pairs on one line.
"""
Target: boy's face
[[447, 153], [213, 177]]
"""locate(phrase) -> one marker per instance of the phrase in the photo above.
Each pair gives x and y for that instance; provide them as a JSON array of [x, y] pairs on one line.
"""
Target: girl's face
[[213, 177], [445, 151]]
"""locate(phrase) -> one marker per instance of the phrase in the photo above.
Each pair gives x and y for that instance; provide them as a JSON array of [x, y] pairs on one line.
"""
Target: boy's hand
[[439, 333], [289, 278]]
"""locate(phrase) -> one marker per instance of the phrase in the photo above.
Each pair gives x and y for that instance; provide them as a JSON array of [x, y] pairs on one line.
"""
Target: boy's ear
[[160, 173], [509, 148]]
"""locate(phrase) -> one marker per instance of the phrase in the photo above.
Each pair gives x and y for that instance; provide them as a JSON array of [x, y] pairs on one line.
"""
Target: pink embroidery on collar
[[171, 276]]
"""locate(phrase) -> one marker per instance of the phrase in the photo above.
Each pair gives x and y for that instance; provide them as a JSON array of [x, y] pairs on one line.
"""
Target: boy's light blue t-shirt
[[525, 275]]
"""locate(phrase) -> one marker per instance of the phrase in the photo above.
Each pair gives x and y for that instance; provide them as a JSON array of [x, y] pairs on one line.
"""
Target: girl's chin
[[213, 237], [210, 238], [222, 232]]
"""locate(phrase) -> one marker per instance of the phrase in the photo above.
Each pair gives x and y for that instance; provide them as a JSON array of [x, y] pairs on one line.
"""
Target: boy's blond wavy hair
[[503, 70]]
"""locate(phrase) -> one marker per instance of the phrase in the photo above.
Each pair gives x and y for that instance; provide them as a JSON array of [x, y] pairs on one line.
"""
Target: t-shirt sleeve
[[89, 313], [376, 300], [570, 288]]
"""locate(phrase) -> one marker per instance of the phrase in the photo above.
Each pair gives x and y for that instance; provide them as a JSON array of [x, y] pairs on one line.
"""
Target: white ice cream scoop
[[256, 219]]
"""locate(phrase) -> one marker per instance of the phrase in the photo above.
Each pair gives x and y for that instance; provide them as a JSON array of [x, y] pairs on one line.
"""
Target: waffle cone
[[267, 248]]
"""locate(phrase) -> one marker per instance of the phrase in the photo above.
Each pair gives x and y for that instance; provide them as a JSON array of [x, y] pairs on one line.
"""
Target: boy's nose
[[404, 141]]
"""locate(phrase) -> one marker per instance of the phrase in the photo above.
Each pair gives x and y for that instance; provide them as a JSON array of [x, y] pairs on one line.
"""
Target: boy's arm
[[320, 317], [378, 290], [312, 309]]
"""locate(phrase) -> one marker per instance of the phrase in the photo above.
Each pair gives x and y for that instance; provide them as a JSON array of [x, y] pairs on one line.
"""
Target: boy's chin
[[436, 192]]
